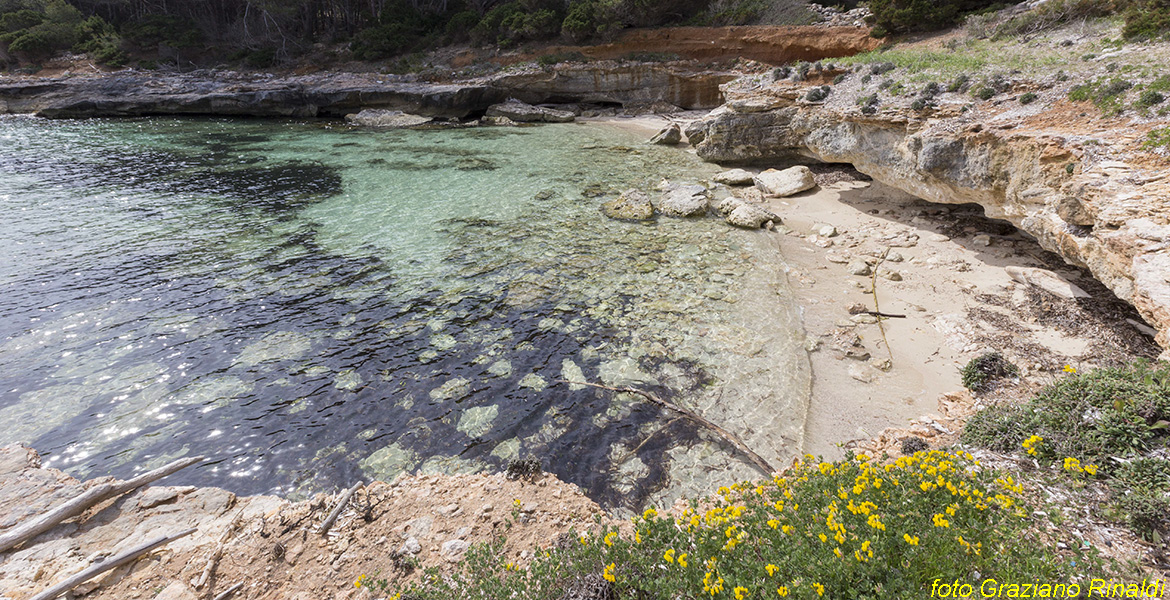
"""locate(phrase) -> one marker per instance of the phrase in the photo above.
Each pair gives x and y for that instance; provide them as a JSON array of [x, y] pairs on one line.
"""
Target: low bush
[[1027, 98], [1107, 95], [1119, 412], [985, 93], [1053, 14], [1146, 20], [818, 94], [846, 529], [901, 16], [1157, 140], [980, 372]]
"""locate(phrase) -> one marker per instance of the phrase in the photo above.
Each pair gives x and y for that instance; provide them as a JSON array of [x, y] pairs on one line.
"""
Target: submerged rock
[[790, 181], [527, 113], [632, 205], [683, 201], [373, 117], [669, 135]]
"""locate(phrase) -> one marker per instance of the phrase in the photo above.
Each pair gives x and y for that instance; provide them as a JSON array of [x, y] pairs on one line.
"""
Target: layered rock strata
[[1109, 216], [130, 93]]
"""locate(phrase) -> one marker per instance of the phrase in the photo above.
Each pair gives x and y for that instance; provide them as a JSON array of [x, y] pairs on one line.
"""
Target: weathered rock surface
[[270, 544], [374, 117], [787, 182], [669, 136], [521, 112], [632, 205], [1046, 280], [683, 201], [208, 92], [1108, 216], [750, 216], [734, 177]]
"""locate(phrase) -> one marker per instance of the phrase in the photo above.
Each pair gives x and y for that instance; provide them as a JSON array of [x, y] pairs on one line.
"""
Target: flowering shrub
[[847, 529]]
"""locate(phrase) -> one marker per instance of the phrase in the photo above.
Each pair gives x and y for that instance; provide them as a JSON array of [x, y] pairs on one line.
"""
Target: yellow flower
[[607, 574], [637, 537], [773, 523], [819, 588], [610, 537], [771, 569], [910, 539], [837, 551], [1091, 470], [649, 514], [669, 556], [782, 590], [360, 580], [941, 521], [1072, 465], [682, 560], [739, 592], [1069, 369], [824, 538]]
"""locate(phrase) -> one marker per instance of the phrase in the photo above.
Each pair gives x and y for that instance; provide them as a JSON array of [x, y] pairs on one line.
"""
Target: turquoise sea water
[[308, 304]]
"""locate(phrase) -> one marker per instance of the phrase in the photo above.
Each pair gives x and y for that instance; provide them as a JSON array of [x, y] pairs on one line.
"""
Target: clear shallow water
[[307, 304]]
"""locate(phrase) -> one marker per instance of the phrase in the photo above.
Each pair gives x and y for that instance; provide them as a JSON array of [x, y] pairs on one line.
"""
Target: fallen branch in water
[[756, 459]]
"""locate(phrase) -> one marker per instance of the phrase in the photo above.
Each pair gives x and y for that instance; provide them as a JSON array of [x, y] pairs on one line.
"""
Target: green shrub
[[1106, 95], [1146, 512], [848, 529], [1146, 473], [1027, 98], [1157, 139], [21, 19], [153, 30], [1107, 412], [818, 94], [980, 372], [901, 16], [1147, 19], [382, 41], [460, 25], [1054, 14], [840, 78], [985, 93], [959, 84], [1150, 98]]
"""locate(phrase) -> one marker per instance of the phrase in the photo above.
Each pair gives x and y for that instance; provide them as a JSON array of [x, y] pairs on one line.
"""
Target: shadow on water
[[298, 368]]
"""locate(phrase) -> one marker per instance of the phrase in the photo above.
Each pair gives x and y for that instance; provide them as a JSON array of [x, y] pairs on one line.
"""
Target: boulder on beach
[[734, 177], [527, 113], [785, 183], [376, 117], [750, 216], [669, 135], [632, 205], [683, 201]]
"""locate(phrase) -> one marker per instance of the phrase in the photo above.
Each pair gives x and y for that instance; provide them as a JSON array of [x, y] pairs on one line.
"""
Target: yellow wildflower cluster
[[1031, 443], [1073, 465], [607, 573]]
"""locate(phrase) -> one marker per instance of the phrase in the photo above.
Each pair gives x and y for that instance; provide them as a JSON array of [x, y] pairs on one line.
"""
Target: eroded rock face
[[526, 113], [1104, 215]]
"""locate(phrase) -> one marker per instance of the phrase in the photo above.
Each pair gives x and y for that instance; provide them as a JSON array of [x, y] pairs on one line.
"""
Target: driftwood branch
[[107, 565], [882, 314], [217, 554], [42, 523], [228, 592], [341, 502], [756, 459], [91, 497], [877, 309]]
